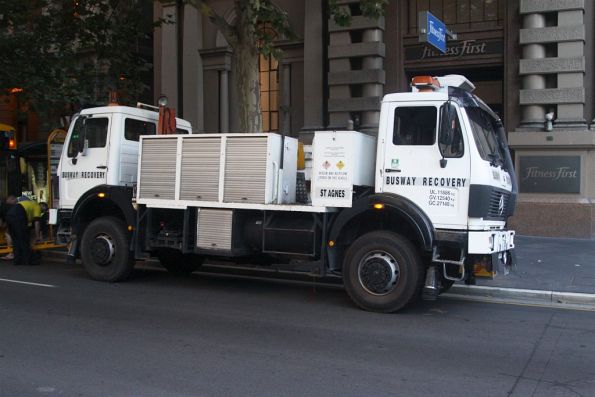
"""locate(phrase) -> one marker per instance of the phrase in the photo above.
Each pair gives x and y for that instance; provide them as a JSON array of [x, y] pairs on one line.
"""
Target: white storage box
[[217, 168], [341, 159]]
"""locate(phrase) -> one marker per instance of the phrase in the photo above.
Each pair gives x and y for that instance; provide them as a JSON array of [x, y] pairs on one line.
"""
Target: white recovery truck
[[396, 216]]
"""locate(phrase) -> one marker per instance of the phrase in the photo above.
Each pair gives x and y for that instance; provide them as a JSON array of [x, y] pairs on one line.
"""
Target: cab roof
[[132, 111]]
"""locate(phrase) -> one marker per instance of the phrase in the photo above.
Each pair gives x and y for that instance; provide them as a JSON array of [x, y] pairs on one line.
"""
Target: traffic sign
[[432, 31]]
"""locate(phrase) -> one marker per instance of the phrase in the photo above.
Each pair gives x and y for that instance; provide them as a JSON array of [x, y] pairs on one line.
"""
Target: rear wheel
[[383, 272], [177, 263], [105, 250]]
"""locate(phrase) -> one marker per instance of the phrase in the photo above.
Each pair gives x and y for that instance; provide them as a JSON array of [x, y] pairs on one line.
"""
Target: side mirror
[[85, 147], [447, 124]]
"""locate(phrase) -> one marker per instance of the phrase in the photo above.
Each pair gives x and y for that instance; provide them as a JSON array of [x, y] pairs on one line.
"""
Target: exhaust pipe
[[431, 290]]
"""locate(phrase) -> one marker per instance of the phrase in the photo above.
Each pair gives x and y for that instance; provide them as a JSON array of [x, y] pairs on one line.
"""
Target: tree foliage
[[369, 8], [65, 54]]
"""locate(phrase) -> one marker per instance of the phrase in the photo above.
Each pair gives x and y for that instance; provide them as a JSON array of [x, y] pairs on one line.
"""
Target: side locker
[[248, 179], [200, 169], [291, 233], [214, 228], [157, 179]]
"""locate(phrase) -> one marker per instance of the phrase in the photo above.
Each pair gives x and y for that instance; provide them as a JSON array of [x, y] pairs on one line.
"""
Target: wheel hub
[[103, 250], [378, 273]]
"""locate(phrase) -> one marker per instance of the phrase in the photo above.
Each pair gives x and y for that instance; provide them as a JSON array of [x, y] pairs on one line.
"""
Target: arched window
[[268, 68], [269, 92]]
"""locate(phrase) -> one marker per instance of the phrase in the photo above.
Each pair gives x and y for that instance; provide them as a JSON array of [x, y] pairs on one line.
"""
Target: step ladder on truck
[[395, 216]]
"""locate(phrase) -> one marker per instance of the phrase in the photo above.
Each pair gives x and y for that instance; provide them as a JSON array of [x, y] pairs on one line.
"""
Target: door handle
[[392, 170], [102, 167]]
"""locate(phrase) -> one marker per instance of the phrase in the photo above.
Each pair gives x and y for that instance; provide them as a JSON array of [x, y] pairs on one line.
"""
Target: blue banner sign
[[432, 31]]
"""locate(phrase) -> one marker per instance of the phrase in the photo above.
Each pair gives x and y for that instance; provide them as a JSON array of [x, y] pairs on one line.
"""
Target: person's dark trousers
[[16, 218]]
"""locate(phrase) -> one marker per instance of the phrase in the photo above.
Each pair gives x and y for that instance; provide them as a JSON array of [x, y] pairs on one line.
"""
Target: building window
[[269, 92]]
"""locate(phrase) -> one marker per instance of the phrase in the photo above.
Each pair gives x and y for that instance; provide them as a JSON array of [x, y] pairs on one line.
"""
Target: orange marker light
[[12, 144], [378, 206], [101, 195], [331, 243], [425, 83]]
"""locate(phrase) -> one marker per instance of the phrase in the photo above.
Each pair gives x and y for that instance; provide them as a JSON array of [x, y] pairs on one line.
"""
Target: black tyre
[[177, 263], [383, 272], [105, 250]]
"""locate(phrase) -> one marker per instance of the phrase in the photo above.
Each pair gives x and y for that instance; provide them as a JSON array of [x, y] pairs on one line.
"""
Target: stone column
[[371, 118], [570, 115], [168, 78], [339, 92], [533, 116], [356, 71], [224, 101], [313, 66]]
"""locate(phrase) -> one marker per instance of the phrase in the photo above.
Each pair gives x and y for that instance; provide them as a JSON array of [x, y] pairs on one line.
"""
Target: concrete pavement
[[552, 271]]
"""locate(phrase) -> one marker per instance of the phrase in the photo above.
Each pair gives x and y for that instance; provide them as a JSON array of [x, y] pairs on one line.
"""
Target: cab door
[[84, 162], [433, 175]]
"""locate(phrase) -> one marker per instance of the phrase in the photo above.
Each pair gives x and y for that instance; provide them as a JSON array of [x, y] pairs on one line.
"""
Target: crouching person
[[18, 218]]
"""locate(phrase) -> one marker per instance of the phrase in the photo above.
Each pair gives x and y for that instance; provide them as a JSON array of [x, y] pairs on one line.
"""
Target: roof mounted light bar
[[425, 83]]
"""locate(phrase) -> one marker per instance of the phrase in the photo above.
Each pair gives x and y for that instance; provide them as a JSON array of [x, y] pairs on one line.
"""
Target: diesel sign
[[550, 174]]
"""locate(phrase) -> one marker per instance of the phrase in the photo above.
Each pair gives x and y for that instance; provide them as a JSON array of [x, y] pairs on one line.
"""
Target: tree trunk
[[245, 62]]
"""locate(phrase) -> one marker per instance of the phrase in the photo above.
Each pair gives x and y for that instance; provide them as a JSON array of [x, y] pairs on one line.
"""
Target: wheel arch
[[103, 200], [396, 214]]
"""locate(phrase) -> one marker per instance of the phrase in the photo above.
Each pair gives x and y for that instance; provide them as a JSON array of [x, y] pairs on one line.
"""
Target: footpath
[[553, 272], [558, 272]]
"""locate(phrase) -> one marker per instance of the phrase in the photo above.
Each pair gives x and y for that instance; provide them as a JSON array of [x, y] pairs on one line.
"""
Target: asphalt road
[[160, 335]]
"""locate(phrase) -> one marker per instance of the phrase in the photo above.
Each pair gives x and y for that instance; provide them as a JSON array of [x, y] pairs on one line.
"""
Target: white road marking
[[27, 283]]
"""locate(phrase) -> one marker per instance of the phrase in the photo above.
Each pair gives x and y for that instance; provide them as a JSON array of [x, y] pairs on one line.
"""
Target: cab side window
[[456, 148], [76, 138], [133, 129], [93, 130], [415, 125]]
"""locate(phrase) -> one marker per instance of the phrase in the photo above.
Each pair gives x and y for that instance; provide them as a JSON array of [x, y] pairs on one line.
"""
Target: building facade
[[530, 60]]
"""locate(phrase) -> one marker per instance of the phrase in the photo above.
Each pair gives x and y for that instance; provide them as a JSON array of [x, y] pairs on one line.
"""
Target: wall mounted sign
[[550, 174], [432, 31], [455, 49]]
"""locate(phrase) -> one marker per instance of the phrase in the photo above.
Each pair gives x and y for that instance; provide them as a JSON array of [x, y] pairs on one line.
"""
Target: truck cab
[[98, 165], [102, 149], [443, 149]]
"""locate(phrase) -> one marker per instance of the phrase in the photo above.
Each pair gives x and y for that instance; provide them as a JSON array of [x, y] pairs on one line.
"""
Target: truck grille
[[499, 203], [490, 203]]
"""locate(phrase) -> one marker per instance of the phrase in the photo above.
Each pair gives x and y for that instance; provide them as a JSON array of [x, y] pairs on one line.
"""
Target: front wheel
[[383, 272], [105, 249]]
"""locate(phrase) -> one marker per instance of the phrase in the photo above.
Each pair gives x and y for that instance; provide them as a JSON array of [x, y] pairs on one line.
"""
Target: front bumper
[[490, 241], [492, 252]]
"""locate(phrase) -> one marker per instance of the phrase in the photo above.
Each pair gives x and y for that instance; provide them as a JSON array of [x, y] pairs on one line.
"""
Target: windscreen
[[486, 138]]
